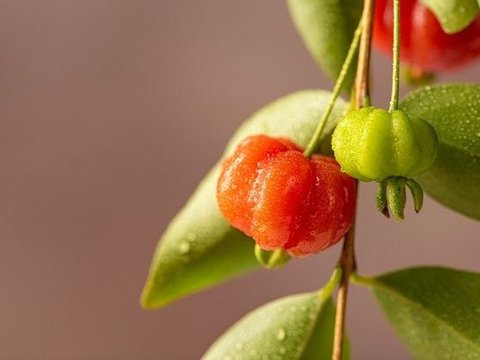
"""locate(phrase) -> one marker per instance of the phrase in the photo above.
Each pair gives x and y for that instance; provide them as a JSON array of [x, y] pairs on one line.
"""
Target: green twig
[[396, 56]]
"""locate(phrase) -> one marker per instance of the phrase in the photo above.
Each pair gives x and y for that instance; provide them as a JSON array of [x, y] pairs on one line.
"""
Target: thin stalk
[[362, 280], [331, 285], [348, 264], [347, 261], [316, 138], [362, 95], [396, 56]]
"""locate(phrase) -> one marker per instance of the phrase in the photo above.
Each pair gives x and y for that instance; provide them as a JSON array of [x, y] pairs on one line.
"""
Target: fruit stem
[[362, 93], [396, 56], [315, 140]]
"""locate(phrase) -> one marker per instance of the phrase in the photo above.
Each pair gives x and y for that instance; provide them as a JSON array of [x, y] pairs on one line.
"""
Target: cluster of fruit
[[285, 200]]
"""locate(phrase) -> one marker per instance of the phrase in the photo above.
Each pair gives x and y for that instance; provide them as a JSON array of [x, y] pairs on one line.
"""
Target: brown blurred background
[[111, 111]]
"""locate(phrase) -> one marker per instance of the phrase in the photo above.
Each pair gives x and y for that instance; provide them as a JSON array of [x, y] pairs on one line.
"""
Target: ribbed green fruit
[[374, 144]]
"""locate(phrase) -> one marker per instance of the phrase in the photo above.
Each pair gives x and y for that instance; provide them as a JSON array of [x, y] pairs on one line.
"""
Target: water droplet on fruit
[[281, 334], [184, 247]]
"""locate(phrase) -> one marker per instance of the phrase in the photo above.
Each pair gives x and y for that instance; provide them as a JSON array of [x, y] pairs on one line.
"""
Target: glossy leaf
[[298, 327], [327, 27], [454, 15], [199, 248], [454, 112], [436, 311]]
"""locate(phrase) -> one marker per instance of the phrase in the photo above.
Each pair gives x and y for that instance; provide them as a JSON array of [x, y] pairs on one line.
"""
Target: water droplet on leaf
[[281, 334], [184, 247]]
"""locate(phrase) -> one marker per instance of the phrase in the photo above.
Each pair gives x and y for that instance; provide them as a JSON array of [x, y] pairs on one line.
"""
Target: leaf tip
[[146, 301], [150, 299]]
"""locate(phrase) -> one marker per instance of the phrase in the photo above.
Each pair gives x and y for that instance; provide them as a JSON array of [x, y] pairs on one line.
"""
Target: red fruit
[[269, 190], [423, 42]]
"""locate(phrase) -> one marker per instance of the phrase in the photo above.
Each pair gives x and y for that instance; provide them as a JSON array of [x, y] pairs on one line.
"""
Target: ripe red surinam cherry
[[424, 44], [269, 190]]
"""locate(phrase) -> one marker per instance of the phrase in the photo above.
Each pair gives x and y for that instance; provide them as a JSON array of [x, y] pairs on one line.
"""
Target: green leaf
[[199, 248], [327, 27], [436, 311], [294, 116], [298, 327], [454, 15], [454, 112]]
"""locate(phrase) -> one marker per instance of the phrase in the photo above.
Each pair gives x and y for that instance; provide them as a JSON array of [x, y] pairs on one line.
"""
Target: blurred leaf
[[454, 15], [199, 248], [436, 311], [298, 327], [294, 116], [327, 27], [454, 112]]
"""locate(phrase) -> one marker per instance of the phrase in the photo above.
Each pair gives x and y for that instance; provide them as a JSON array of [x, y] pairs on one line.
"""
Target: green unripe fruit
[[374, 144]]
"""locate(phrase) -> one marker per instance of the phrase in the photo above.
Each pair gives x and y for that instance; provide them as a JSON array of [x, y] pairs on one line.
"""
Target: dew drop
[[281, 334], [184, 247]]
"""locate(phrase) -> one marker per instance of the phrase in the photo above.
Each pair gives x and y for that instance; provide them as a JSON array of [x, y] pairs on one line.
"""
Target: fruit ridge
[[269, 190], [375, 144]]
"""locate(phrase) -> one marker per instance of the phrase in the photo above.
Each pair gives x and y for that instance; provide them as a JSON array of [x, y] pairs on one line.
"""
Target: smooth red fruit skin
[[423, 42], [269, 190]]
